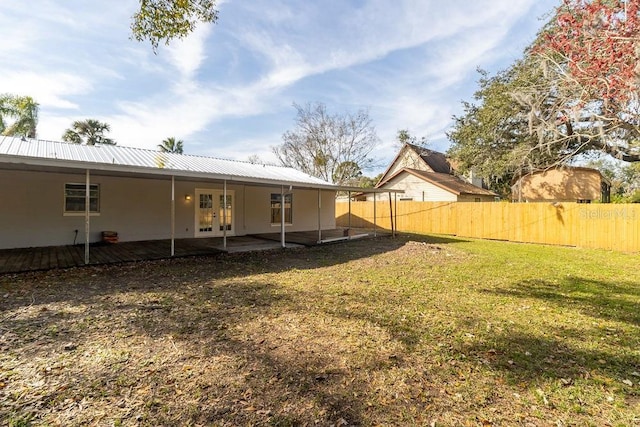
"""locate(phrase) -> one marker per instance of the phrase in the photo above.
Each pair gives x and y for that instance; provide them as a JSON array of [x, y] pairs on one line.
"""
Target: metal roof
[[116, 158]]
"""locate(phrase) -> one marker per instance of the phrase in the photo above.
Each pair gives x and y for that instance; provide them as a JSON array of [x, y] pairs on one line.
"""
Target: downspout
[[87, 224]]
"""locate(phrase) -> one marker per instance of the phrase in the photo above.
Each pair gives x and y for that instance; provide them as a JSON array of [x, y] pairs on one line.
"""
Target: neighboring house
[[564, 184], [427, 176], [146, 195]]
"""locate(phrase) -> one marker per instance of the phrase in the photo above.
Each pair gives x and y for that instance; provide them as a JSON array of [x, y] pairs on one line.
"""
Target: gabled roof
[[120, 159], [436, 160], [431, 160], [446, 181]]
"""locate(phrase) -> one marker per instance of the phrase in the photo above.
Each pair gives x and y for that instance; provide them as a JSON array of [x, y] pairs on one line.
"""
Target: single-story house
[[56, 193], [563, 184], [427, 176]]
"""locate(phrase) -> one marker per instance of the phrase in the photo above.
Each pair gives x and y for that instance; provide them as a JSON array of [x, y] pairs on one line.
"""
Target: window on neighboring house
[[276, 206], [74, 198], [584, 201], [477, 199]]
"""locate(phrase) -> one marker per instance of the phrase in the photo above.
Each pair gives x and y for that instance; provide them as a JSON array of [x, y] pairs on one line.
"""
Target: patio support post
[[393, 231], [87, 210], [395, 208], [319, 215], [173, 215], [282, 237], [224, 215], [349, 221], [374, 216]]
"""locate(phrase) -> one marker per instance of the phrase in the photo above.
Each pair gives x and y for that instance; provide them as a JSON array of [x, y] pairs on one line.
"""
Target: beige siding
[[257, 216], [475, 198], [408, 159], [415, 189], [561, 185], [32, 209]]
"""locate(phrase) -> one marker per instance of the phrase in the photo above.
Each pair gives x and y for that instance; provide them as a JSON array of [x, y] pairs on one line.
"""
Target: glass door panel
[[206, 214], [226, 215], [214, 217]]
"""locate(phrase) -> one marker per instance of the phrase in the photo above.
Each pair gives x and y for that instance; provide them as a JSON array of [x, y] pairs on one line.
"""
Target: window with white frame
[[276, 206], [74, 198]]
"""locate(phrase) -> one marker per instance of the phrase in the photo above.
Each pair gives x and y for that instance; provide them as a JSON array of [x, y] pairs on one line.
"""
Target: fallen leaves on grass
[[387, 331]]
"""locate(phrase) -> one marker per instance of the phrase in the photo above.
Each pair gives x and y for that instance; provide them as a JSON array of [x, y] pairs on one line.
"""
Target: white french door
[[212, 216]]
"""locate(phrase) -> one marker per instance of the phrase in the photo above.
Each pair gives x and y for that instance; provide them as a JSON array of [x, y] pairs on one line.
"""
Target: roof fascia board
[[105, 167], [436, 183]]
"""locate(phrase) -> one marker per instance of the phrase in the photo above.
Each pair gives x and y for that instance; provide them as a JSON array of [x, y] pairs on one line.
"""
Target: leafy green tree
[[334, 147], [494, 137], [574, 92], [18, 115], [624, 178], [166, 20], [367, 181], [347, 172], [404, 137], [88, 132], [171, 145]]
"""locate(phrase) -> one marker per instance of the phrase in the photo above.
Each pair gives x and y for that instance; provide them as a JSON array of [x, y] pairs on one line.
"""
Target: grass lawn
[[406, 331]]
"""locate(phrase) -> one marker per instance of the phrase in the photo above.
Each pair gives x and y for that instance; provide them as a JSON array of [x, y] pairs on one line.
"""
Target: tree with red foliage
[[590, 52], [596, 43], [575, 92]]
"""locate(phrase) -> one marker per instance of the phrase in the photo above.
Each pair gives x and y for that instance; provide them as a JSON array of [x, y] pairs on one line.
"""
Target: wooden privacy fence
[[602, 226]]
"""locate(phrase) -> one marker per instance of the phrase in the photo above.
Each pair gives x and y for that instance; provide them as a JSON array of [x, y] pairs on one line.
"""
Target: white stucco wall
[[32, 209]]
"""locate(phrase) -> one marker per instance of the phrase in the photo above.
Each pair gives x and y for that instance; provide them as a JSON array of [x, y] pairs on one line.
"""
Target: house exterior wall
[[559, 185], [32, 209], [415, 189], [409, 159], [476, 198], [305, 210]]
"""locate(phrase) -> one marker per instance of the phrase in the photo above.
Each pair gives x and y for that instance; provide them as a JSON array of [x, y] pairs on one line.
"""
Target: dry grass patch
[[406, 331]]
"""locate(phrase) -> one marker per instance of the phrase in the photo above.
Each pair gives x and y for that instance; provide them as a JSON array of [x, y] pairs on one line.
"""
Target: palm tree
[[24, 111], [89, 132], [171, 145]]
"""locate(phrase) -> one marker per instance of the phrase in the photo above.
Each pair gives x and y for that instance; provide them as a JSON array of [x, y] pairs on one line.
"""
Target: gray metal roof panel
[[54, 152]]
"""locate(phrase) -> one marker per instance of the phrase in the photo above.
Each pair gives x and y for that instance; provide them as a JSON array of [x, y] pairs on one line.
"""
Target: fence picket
[[602, 226]]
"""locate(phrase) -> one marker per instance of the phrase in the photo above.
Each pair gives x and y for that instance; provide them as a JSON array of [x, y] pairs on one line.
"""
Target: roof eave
[[142, 170]]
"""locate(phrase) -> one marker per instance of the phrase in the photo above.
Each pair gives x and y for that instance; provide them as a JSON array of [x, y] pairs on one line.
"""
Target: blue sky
[[228, 89]]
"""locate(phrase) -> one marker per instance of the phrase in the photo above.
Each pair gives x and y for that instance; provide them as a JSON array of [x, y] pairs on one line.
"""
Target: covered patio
[[54, 257]]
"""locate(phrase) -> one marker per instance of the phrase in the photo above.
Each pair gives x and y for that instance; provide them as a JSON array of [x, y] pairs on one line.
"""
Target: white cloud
[[186, 55], [405, 60], [50, 91]]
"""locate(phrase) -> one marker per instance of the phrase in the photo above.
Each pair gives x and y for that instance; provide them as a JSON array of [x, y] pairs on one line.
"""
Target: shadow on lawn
[[596, 298], [549, 356], [81, 284], [269, 380], [526, 358], [201, 302]]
